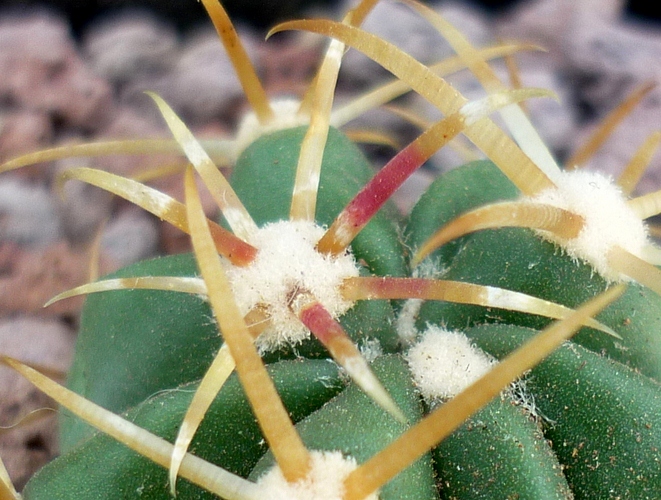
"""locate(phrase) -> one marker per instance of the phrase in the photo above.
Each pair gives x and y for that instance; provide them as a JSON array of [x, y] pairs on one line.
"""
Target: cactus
[[309, 360]]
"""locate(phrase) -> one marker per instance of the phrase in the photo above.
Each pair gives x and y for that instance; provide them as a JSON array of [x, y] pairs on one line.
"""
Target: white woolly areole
[[408, 314], [287, 263], [285, 115], [444, 363], [325, 481], [609, 220], [405, 321]]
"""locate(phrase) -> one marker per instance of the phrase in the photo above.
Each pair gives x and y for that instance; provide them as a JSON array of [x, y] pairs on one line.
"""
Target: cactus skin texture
[[584, 423], [597, 428]]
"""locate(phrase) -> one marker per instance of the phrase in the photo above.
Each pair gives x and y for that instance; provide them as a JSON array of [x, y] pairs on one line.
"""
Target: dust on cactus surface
[[499, 339]]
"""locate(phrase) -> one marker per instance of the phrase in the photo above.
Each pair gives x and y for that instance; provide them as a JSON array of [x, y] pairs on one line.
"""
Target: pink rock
[[399, 24], [48, 345], [41, 70], [129, 124], [201, 87], [23, 132], [289, 64], [590, 41], [611, 56], [82, 208], [28, 213], [129, 237], [618, 150], [32, 277], [125, 47], [549, 22]]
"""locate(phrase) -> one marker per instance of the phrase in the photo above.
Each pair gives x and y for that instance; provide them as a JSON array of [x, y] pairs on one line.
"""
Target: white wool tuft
[[444, 363], [370, 349], [286, 116], [325, 480], [408, 315], [287, 262], [405, 321], [609, 221]]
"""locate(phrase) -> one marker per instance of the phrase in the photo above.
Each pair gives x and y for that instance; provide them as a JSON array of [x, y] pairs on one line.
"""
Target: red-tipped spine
[[331, 334], [234, 249], [371, 198]]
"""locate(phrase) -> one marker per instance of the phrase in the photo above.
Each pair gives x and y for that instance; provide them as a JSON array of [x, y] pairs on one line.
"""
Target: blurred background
[[76, 70], [186, 13]]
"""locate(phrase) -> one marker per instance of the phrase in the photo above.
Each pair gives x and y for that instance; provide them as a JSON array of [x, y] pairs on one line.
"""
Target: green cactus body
[[366, 429], [517, 462], [516, 259], [101, 467], [185, 328], [583, 424], [519, 455], [460, 190], [597, 412], [264, 176]]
